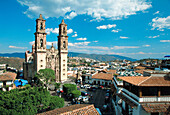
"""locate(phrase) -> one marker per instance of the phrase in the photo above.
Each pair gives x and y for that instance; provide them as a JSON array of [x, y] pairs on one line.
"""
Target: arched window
[[41, 42], [64, 44], [41, 26], [64, 30]]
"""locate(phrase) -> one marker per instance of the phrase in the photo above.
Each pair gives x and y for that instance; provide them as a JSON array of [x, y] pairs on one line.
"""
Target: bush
[[68, 88], [56, 102], [76, 93], [27, 85], [28, 101]]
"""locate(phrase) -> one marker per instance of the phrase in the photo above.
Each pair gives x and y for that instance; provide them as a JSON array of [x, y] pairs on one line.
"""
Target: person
[[91, 96]]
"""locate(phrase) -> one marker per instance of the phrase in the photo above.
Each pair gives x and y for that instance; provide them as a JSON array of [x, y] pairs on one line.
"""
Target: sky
[[133, 28]]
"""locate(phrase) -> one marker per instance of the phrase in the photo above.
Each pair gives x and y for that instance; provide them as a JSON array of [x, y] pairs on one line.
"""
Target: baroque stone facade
[[41, 57]]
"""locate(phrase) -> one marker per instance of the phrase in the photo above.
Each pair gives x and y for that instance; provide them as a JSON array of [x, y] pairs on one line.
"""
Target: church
[[41, 57]]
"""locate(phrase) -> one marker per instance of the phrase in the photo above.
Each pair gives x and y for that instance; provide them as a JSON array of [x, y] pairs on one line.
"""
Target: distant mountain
[[99, 57]]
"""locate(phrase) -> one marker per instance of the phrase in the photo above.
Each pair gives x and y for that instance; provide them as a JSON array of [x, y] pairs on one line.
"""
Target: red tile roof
[[77, 109], [104, 76], [147, 81], [156, 107], [8, 76], [135, 80], [11, 74]]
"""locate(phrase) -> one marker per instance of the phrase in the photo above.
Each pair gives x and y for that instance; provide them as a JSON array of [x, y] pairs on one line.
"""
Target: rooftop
[[147, 81], [104, 76], [8, 76], [77, 109], [156, 107]]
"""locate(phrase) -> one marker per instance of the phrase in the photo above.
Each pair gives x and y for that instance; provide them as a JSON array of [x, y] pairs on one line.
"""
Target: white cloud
[[160, 23], [153, 36], [117, 30], [106, 26], [71, 15], [29, 29], [95, 41], [69, 31], [156, 13], [81, 38], [48, 30], [146, 45], [164, 40], [75, 35], [97, 9], [82, 43], [15, 47], [56, 31], [31, 43], [50, 43], [123, 37], [123, 47]]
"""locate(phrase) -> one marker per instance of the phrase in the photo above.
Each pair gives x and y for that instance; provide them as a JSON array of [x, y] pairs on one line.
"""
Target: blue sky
[[133, 28]]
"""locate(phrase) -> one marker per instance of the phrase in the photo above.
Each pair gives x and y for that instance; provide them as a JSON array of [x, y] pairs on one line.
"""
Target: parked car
[[82, 87], [105, 108], [83, 98], [107, 95], [92, 89], [87, 86], [83, 93]]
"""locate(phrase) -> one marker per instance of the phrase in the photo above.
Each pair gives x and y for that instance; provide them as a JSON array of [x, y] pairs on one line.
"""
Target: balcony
[[155, 99], [146, 98]]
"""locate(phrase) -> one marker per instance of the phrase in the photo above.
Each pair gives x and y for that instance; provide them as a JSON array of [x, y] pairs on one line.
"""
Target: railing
[[147, 98], [131, 94], [155, 99], [118, 82]]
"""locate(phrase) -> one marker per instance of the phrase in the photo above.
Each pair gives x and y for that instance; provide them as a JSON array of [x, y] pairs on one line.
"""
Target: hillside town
[[116, 87], [49, 81]]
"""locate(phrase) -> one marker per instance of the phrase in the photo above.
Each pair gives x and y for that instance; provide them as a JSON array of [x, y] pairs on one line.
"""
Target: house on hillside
[[138, 95], [6, 81]]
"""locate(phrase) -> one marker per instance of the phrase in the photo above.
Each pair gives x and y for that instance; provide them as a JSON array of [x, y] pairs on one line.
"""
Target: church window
[[52, 56], [41, 26], [63, 73], [63, 64], [64, 44], [41, 65], [64, 30], [64, 60], [41, 60], [63, 69], [41, 42]]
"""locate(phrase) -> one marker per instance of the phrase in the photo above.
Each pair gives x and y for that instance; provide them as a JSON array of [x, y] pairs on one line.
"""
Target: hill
[[99, 57], [12, 62]]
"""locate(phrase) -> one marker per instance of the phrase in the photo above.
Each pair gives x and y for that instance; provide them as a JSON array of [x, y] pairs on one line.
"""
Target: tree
[[56, 102], [28, 101], [76, 93], [68, 88], [46, 75]]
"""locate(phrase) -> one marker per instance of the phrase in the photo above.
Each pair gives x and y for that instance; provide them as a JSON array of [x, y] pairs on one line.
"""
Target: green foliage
[[27, 85], [57, 85], [46, 75], [68, 88], [26, 101], [56, 102], [76, 93]]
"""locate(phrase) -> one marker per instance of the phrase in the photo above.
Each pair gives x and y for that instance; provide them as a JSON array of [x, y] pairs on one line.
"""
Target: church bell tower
[[40, 44], [63, 51]]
